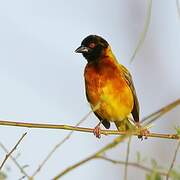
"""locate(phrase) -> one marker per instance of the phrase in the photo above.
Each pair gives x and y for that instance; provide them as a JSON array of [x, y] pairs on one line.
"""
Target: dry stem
[[145, 29], [58, 145], [173, 161], [127, 159], [95, 155], [134, 164], [15, 161], [12, 150], [178, 8], [82, 129], [153, 117]]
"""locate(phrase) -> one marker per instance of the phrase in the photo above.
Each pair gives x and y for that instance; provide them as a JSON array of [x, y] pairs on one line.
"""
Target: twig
[[173, 161], [13, 149], [127, 158], [58, 145], [89, 130], [134, 164], [15, 161], [105, 132], [145, 29], [178, 8], [95, 155], [70, 168], [152, 117]]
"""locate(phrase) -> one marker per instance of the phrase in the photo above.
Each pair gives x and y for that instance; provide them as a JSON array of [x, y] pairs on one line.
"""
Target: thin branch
[[152, 117], [12, 150], [15, 161], [58, 145], [116, 141], [87, 130], [178, 8], [173, 161], [105, 132], [127, 159], [145, 29], [133, 164], [155, 115]]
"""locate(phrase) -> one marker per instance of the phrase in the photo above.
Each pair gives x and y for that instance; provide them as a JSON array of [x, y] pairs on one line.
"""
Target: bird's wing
[[128, 78]]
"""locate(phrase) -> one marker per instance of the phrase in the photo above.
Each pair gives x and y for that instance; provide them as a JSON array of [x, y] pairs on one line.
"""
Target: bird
[[109, 86]]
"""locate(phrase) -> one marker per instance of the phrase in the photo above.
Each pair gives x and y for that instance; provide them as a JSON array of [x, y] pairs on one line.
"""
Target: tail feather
[[124, 125]]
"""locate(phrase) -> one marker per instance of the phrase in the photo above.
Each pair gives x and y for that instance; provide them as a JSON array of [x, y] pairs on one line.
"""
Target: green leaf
[[148, 177], [154, 163], [175, 174], [177, 130], [139, 159], [153, 176]]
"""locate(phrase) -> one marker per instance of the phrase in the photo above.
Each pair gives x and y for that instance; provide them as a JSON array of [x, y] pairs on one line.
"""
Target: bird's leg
[[97, 130], [143, 131]]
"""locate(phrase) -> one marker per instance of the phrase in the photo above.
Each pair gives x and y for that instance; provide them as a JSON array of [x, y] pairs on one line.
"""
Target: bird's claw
[[143, 132], [97, 131]]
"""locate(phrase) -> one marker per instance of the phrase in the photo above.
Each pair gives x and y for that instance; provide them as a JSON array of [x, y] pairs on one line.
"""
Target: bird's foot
[[143, 131], [97, 131]]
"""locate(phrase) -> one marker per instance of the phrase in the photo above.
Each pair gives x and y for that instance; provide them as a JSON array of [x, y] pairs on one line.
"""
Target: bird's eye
[[92, 45]]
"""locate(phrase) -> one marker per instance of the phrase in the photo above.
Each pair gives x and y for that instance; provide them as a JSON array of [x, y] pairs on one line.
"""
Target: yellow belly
[[114, 104]]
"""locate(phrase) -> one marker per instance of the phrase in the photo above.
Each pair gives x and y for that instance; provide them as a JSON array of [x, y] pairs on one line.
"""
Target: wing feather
[[128, 78]]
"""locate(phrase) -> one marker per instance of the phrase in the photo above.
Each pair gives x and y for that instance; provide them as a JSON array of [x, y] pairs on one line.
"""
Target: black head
[[92, 47]]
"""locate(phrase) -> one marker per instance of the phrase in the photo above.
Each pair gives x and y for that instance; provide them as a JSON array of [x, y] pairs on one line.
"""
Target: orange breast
[[105, 84]]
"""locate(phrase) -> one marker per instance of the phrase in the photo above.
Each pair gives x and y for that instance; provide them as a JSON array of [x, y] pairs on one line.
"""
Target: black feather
[[105, 122]]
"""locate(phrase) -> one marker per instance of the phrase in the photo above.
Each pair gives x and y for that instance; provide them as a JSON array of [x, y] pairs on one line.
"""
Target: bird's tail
[[124, 125]]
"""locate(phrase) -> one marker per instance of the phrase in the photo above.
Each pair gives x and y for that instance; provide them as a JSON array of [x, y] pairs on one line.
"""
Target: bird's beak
[[82, 49]]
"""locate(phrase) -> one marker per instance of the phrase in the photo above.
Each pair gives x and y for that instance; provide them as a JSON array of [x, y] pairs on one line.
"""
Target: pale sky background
[[41, 79]]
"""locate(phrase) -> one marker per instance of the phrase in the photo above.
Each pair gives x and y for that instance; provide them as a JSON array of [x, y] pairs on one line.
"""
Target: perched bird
[[108, 84]]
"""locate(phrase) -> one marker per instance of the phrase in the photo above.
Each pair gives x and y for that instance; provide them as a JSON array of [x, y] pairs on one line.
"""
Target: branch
[[88, 130], [178, 8], [15, 161], [58, 145], [168, 107], [173, 161], [121, 138], [127, 159], [13, 149], [134, 164], [154, 116], [143, 34], [116, 141], [105, 132]]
